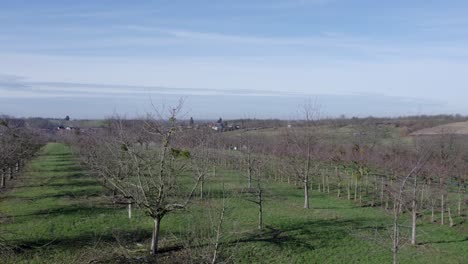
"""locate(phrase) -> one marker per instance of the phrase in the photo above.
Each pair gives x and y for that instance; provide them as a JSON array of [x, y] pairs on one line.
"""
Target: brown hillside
[[458, 128]]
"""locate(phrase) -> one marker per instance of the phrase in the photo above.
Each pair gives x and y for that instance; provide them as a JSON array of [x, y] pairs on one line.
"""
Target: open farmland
[[458, 128]]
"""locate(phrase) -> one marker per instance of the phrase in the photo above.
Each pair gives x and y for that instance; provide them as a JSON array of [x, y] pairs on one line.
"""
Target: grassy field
[[59, 214]]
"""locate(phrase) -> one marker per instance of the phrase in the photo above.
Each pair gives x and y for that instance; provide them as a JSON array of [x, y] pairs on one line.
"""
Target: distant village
[[218, 126], [221, 126]]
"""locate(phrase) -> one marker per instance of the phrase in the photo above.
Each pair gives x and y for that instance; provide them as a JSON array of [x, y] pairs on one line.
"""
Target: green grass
[[59, 214]]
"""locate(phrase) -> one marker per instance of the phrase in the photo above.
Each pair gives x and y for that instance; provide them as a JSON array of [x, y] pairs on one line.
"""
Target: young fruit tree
[[299, 148], [156, 178], [405, 168]]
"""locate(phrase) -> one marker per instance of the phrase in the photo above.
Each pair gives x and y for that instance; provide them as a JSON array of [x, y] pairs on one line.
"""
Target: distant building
[[221, 126], [68, 128], [359, 134], [218, 127]]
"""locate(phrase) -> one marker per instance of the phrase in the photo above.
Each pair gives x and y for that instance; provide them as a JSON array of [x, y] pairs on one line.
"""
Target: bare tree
[[399, 193], [300, 146], [257, 194], [202, 158], [17, 144], [218, 228], [151, 177]]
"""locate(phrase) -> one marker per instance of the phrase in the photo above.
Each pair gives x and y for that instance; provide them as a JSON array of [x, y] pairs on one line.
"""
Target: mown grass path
[[56, 213]]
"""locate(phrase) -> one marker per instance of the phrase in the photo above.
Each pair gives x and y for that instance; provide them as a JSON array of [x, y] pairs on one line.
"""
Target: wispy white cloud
[[327, 43], [100, 100], [295, 3], [274, 4], [134, 36], [18, 87]]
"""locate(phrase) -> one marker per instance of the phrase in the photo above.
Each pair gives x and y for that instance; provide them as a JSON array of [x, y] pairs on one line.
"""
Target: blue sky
[[88, 59]]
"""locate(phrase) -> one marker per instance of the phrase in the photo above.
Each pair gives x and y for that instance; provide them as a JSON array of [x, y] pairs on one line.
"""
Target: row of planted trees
[[423, 179], [415, 180], [155, 165], [17, 145]]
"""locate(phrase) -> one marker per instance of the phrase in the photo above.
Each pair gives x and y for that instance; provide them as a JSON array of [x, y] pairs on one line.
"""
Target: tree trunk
[[421, 202], [413, 212], [450, 217], [306, 193], [339, 181], [323, 182], [3, 180], [367, 184], [360, 194], [155, 236], [413, 223], [202, 180], [349, 188], [306, 176], [382, 191], [396, 233], [355, 189], [459, 200], [249, 178], [375, 191], [249, 171], [432, 211], [395, 254], [129, 208], [260, 210], [339, 189], [387, 200], [218, 233], [442, 210]]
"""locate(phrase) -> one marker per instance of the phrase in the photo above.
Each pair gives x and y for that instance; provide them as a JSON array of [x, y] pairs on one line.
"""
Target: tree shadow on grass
[[72, 194], [67, 154], [80, 241], [298, 236], [444, 241], [51, 162], [345, 207], [75, 175], [69, 190], [61, 185], [69, 211], [65, 168], [306, 235]]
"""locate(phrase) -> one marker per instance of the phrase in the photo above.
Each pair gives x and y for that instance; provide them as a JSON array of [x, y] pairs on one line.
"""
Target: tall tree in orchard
[[153, 177]]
